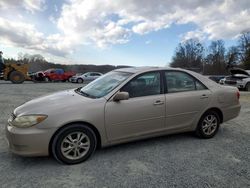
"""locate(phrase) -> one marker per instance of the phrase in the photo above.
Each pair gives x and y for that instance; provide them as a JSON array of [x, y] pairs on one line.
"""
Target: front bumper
[[29, 141], [73, 79]]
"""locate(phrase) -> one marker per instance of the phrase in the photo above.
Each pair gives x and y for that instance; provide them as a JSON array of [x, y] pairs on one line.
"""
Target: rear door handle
[[204, 96], [158, 102]]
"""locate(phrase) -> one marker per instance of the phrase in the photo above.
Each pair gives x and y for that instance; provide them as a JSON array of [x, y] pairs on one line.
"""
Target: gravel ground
[[172, 161]]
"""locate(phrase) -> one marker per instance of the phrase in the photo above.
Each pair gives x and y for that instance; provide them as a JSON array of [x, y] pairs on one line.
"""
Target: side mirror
[[121, 96]]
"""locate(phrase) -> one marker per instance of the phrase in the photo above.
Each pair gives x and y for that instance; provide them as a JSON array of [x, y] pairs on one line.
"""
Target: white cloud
[[196, 34], [107, 22], [30, 5], [89, 20], [22, 34], [26, 36], [110, 34]]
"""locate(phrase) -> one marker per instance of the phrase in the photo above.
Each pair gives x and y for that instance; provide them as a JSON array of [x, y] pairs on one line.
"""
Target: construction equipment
[[16, 72]]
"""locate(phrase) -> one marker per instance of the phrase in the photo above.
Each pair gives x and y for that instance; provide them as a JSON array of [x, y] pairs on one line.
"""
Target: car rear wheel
[[248, 86], [74, 144], [208, 125], [79, 80]]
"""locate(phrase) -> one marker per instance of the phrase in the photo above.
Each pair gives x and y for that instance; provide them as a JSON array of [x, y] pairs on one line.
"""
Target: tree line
[[38, 63], [191, 54], [214, 59]]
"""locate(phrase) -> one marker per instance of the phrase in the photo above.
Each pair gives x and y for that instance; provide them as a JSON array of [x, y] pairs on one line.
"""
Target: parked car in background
[[38, 76], [86, 77], [216, 78], [239, 78], [122, 105], [57, 75]]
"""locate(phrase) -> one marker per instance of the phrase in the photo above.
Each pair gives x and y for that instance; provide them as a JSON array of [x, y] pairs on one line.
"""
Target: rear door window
[[180, 81]]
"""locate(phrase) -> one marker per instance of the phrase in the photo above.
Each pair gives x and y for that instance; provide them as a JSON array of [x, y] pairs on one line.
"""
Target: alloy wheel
[[75, 145], [209, 124]]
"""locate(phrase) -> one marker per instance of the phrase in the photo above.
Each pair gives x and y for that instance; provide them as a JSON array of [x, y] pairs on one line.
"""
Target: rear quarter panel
[[227, 101]]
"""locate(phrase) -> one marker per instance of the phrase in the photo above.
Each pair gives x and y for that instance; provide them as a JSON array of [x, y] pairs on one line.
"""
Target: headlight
[[27, 120]]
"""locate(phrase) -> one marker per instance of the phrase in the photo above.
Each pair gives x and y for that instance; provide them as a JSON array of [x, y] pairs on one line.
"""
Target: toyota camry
[[121, 106]]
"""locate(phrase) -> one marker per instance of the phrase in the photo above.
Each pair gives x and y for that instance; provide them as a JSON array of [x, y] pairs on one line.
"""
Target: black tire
[[57, 143], [79, 80], [247, 86], [202, 129], [68, 80], [46, 79], [16, 77]]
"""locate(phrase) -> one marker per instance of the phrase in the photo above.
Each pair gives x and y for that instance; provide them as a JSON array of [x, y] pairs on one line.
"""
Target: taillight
[[238, 95]]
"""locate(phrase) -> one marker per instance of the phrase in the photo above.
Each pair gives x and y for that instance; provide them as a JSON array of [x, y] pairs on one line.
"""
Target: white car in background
[[86, 77], [239, 78]]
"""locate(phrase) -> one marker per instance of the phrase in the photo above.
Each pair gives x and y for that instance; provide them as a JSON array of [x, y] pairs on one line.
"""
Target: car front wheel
[[79, 80], [208, 125], [74, 144]]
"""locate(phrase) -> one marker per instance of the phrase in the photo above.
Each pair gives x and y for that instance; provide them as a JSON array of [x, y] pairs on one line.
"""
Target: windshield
[[105, 84]]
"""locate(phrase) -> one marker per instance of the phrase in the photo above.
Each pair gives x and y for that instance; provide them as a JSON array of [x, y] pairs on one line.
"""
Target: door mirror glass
[[121, 96]]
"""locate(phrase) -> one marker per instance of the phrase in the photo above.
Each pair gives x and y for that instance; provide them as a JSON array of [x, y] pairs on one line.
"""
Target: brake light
[[238, 95]]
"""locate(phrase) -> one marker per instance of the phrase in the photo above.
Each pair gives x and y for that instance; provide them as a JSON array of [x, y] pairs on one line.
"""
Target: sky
[[116, 32]]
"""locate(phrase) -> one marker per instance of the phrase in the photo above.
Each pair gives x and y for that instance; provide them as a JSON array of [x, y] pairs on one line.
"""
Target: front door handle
[[204, 96], [158, 102]]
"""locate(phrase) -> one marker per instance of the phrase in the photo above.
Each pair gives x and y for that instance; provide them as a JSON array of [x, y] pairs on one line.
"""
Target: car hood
[[60, 101], [239, 71]]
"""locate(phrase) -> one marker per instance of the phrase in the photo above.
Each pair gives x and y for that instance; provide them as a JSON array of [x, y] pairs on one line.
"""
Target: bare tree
[[232, 57], [189, 55], [215, 59], [244, 49]]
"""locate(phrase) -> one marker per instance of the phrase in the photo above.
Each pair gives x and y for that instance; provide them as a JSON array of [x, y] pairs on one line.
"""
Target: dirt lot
[[171, 161]]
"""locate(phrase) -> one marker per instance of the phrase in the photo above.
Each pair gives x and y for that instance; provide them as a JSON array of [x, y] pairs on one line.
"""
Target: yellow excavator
[[17, 73]]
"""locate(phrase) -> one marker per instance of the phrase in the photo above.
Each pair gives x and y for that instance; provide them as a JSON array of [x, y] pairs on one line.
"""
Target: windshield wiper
[[84, 94], [79, 91]]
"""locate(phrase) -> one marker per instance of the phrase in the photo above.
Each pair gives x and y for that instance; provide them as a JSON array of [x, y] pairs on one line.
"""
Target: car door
[[60, 74], [142, 113], [186, 98], [87, 77], [53, 75], [92, 76], [96, 75]]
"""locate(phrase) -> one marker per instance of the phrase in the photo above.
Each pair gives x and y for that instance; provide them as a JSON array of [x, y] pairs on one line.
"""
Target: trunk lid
[[240, 71]]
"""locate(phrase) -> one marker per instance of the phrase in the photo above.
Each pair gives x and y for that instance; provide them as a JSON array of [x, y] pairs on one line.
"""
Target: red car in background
[[57, 75]]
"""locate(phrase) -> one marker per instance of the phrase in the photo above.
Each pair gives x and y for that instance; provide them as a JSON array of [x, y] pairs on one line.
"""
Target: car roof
[[143, 69], [91, 72], [205, 80]]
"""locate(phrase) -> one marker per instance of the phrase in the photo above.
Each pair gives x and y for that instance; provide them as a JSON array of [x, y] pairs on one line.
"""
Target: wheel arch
[[98, 136], [217, 110], [80, 79]]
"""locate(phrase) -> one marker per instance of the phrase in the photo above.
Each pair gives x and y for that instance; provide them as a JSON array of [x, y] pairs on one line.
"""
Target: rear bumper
[[231, 112], [29, 141]]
